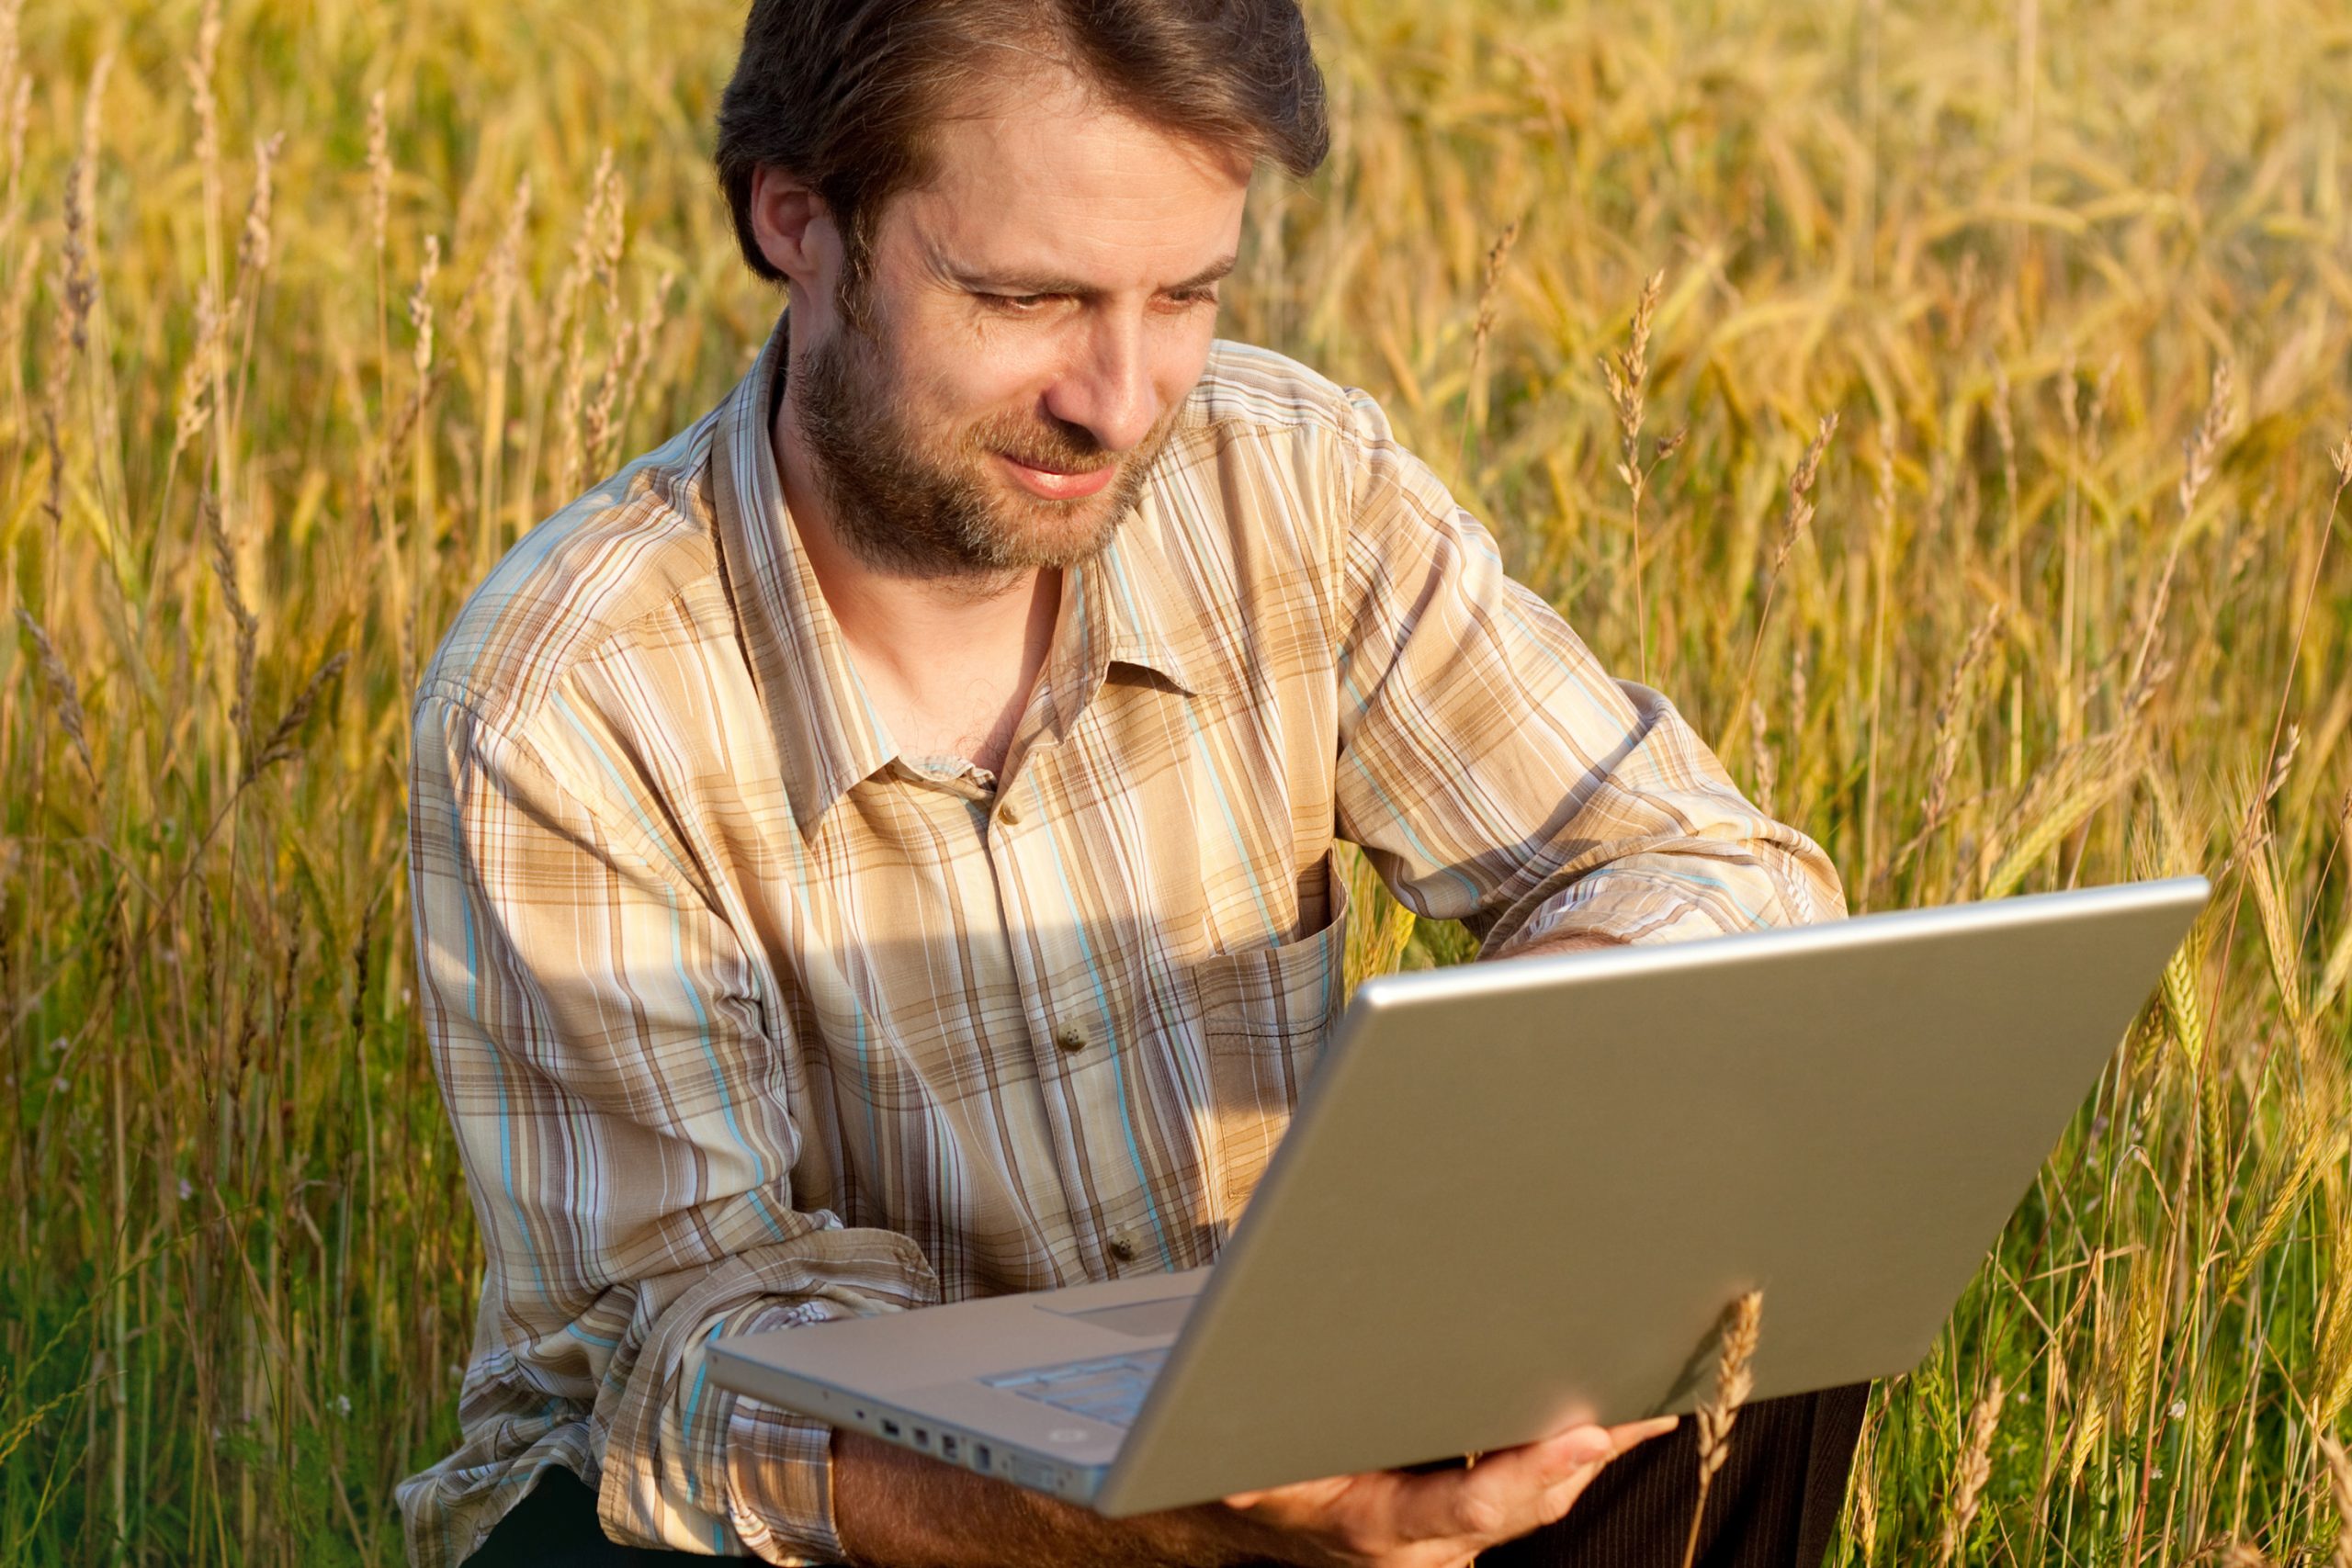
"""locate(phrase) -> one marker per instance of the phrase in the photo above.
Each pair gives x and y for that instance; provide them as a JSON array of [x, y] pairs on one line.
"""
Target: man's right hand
[[1435, 1519]]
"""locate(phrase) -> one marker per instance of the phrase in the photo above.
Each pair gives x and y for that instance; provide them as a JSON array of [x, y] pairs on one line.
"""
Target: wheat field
[[307, 311]]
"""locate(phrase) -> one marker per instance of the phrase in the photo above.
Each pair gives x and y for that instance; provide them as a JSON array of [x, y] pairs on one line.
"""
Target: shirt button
[[1008, 814], [1122, 1249], [1069, 1037]]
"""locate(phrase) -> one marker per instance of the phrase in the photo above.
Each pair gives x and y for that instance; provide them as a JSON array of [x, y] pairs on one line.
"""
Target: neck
[[951, 658]]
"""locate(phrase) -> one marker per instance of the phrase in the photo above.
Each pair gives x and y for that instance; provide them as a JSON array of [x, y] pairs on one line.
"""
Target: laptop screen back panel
[[1579, 1176]]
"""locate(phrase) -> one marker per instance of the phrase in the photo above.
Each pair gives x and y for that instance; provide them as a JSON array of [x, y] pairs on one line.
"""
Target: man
[[876, 849]]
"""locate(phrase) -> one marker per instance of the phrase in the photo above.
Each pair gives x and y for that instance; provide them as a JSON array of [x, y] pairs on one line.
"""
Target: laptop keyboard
[[1110, 1390]]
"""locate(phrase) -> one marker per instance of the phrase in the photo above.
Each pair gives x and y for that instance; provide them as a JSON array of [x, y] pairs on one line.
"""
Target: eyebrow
[[1022, 283]]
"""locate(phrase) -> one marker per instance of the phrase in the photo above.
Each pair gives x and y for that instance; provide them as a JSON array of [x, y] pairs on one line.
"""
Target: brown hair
[[845, 92]]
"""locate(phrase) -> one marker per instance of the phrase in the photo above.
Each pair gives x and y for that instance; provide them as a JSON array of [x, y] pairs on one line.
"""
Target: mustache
[[1058, 446]]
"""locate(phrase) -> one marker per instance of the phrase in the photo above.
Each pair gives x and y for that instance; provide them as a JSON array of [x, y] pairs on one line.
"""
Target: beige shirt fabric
[[744, 1020]]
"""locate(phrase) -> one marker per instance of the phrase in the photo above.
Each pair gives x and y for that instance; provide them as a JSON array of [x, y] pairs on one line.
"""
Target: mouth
[[1055, 484]]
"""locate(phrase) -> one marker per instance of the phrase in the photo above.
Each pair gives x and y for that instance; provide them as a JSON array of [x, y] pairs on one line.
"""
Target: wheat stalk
[[2310, 1146], [2199, 454], [62, 689], [2339, 1486], [1489, 289], [2332, 1345], [2339, 966], [247, 627], [2081, 779], [1975, 1470], [1949, 730], [1735, 1348], [379, 173], [1794, 516], [1862, 1486], [1626, 374]]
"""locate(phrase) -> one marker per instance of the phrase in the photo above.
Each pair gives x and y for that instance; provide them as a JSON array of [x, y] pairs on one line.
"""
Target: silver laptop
[[1517, 1195]]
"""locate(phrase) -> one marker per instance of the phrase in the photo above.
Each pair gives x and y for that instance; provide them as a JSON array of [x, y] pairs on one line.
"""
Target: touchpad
[[1142, 1319]]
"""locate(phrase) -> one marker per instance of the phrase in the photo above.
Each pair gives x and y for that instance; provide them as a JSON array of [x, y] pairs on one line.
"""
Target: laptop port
[[981, 1458], [947, 1447], [922, 1437], [889, 1427]]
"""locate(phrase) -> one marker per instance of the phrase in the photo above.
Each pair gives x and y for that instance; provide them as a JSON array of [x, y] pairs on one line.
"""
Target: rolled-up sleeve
[[1496, 774], [624, 1089]]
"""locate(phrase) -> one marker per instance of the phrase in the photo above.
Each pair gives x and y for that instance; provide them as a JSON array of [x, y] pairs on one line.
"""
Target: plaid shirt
[[746, 1018]]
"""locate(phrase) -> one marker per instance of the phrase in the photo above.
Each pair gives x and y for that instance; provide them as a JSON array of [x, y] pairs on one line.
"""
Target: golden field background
[[2067, 601]]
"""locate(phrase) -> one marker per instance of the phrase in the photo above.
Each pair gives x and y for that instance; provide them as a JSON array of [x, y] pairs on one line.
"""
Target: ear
[[796, 230]]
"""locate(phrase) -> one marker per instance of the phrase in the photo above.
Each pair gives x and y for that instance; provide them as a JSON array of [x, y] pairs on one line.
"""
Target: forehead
[[1044, 172]]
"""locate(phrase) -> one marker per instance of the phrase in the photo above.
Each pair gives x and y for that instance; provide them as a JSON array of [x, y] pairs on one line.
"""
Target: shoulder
[[1253, 405], [1285, 445], [633, 560], [1249, 387]]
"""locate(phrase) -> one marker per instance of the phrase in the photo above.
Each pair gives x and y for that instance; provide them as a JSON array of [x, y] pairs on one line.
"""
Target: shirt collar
[[1127, 607], [828, 735], [1123, 606]]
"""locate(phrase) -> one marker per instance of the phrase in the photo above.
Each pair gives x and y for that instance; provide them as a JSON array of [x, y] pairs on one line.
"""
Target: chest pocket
[[1265, 1016]]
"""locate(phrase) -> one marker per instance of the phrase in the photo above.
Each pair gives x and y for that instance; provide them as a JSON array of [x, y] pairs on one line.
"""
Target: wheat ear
[[1743, 1323], [1975, 1470], [2339, 1482]]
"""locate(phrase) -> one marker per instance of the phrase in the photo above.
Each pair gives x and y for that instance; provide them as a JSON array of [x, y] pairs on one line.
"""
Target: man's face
[[1032, 320]]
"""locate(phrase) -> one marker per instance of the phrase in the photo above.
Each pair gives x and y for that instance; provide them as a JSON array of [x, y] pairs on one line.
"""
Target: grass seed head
[[2339, 1486], [2199, 452], [1976, 1470], [1742, 1329], [255, 244], [62, 689], [380, 172]]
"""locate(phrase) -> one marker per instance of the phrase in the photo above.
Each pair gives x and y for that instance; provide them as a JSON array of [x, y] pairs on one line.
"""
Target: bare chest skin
[[975, 721], [957, 685]]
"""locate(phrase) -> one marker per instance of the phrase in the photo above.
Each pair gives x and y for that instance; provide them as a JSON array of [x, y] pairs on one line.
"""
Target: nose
[[1108, 389]]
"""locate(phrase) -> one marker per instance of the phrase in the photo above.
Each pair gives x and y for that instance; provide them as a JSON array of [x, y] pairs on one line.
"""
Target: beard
[[945, 509]]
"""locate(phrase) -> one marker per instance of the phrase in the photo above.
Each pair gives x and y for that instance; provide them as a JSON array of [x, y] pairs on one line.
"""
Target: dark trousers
[[1774, 1505]]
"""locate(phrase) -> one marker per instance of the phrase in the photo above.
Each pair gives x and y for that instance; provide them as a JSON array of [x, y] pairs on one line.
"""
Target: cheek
[[1180, 357], [990, 383]]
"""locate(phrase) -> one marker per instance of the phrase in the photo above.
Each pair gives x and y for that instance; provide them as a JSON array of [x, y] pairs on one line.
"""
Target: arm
[[894, 1506], [625, 1091], [904, 1509], [1495, 774]]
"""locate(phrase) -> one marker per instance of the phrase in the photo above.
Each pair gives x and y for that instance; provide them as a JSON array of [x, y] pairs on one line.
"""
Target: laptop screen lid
[[1519, 1194]]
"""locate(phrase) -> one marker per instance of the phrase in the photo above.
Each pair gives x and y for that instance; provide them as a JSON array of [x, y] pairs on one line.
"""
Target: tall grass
[[305, 313]]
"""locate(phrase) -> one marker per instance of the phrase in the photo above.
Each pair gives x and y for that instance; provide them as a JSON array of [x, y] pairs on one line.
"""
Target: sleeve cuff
[[780, 1483], [1652, 899]]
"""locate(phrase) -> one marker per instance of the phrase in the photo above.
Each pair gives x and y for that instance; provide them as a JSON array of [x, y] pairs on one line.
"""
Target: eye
[[1016, 304], [1191, 298]]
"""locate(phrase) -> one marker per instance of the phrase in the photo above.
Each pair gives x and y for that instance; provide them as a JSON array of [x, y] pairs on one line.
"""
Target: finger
[[1300, 1494], [1633, 1432], [1562, 1495]]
